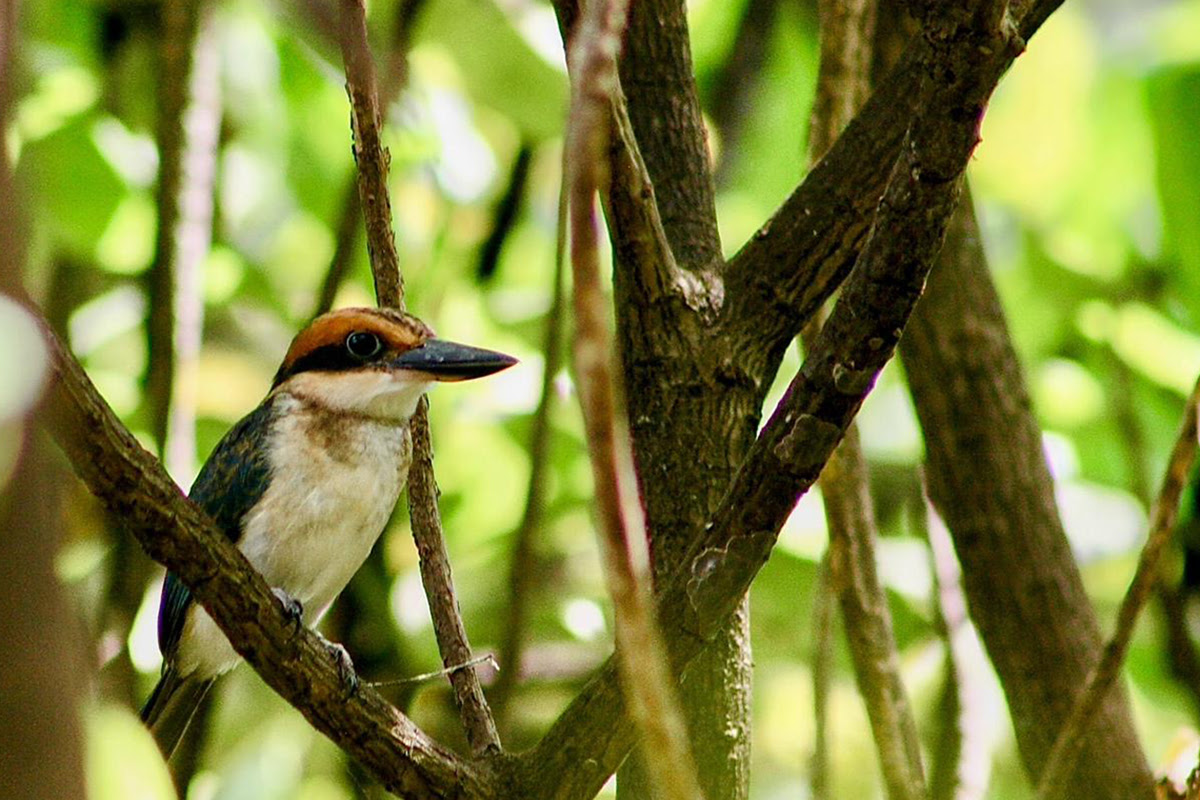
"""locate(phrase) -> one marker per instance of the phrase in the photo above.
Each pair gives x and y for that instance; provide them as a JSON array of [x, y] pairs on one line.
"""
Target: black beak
[[450, 361]]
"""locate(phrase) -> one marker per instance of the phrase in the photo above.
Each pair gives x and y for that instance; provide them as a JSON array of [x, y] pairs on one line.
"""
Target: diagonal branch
[[372, 161], [843, 81], [782, 275], [1073, 734]]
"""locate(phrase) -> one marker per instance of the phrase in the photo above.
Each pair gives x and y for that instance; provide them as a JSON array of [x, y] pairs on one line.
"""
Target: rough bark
[[823, 398], [843, 81], [657, 76], [689, 429], [988, 478]]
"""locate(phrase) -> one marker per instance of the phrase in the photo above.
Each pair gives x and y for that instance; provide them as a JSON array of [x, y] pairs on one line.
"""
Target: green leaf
[[499, 68], [1173, 95], [75, 187]]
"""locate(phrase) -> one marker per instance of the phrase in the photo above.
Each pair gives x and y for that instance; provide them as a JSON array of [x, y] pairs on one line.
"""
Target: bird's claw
[[293, 609], [345, 666]]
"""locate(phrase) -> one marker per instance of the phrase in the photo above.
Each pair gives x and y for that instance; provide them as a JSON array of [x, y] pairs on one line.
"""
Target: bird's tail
[[170, 707]]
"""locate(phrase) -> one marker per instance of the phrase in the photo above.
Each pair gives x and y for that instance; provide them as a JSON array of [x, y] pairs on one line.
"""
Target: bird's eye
[[363, 345]]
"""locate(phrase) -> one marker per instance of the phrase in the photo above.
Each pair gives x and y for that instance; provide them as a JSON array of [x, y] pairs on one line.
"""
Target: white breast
[[334, 482]]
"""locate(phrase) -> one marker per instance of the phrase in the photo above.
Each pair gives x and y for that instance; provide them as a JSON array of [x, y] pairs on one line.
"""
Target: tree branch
[[395, 79], [1054, 781], [824, 626], [370, 155], [521, 572], [181, 138], [988, 477], [640, 651], [372, 161], [704, 590], [191, 236], [777, 280], [868, 623], [961, 754], [293, 661], [843, 81], [656, 73]]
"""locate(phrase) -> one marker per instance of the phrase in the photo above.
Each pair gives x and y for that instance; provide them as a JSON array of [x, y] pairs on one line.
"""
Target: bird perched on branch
[[306, 482]]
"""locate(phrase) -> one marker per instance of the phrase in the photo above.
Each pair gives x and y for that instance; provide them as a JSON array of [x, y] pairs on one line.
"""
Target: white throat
[[386, 395]]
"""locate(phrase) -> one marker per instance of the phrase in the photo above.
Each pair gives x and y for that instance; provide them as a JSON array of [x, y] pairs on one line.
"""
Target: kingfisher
[[306, 482]]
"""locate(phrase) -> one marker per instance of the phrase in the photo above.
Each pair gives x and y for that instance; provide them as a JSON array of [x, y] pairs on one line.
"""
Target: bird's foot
[[345, 666], [292, 608]]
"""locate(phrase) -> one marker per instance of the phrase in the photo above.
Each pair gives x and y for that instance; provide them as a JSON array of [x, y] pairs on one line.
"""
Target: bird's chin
[[385, 396], [397, 400]]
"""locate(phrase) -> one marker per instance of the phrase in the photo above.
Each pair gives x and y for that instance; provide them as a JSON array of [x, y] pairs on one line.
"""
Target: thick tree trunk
[[988, 478], [690, 430]]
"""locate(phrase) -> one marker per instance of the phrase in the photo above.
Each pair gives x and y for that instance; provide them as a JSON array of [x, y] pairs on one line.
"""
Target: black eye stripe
[[327, 358]]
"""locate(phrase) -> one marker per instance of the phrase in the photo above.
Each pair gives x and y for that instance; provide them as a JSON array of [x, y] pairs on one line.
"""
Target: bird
[[306, 482]]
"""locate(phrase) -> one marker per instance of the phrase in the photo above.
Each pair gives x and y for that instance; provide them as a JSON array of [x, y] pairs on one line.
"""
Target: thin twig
[[181, 26], [823, 624], [372, 162], [1069, 743], [192, 236], [1182, 656], [394, 81], [486, 658], [521, 573], [370, 155], [961, 756], [945, 751], [640, 650], [439, 589], [868, 623]]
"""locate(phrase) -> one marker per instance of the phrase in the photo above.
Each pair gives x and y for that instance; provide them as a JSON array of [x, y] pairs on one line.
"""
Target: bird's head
[[376, 362]]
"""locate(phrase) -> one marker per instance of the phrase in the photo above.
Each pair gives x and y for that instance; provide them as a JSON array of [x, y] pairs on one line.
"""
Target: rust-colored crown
[[324, 339]]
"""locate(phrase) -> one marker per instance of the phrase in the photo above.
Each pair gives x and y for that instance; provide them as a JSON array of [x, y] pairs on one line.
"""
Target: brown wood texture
[[988, 478]]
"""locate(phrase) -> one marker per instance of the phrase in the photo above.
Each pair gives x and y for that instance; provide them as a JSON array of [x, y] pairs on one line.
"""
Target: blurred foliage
[[1088, 185]]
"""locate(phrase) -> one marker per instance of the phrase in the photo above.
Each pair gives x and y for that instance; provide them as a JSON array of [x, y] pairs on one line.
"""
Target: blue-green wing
[[231, 482]]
